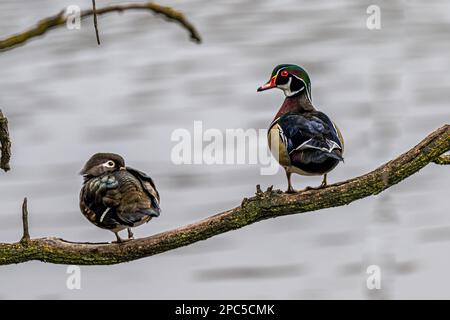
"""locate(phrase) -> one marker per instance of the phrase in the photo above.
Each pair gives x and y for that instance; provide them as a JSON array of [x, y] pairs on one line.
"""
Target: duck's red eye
[[284, 73]]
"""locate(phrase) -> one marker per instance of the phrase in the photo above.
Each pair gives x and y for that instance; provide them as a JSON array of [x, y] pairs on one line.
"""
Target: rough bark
[[443, 160], [263, 205], [5, 143]]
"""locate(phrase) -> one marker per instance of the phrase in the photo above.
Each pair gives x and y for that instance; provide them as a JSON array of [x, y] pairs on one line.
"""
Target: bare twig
[[60, 19], [264, 205], [26, 234], [94, 10], [5, 143]]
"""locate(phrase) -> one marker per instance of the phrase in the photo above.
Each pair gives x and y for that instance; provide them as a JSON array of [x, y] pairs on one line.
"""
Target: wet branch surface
[[262, 206], [60, 19]]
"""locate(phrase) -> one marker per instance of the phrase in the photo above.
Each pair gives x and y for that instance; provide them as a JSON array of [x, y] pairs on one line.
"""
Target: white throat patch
[[287, 88]]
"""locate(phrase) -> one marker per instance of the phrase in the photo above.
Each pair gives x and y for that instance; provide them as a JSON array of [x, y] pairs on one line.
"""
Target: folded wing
[[118, 199], [311, 139]]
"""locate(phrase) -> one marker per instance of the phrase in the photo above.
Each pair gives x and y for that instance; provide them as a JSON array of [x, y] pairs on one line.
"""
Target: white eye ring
[[110, 164]]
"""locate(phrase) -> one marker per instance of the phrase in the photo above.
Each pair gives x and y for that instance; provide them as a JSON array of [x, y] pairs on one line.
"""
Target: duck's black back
[[312, 141]]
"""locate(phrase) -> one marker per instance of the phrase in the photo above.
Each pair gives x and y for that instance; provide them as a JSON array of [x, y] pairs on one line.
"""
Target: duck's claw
[[291, 190], [130, 234]]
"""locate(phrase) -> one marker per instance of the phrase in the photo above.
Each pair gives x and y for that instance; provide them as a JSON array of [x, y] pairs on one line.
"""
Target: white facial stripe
[[308, 89], [287, 87]]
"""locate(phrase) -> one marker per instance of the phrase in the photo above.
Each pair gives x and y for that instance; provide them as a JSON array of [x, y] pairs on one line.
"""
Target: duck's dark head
[[101, 163], [290, 78]]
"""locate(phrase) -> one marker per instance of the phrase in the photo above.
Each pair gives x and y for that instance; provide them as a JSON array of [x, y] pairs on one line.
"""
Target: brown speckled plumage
[[116, 197]]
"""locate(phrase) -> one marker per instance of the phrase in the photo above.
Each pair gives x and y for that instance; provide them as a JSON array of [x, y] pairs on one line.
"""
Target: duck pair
[[303, 140]]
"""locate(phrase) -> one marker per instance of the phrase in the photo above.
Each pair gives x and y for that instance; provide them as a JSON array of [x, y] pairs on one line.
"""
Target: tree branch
[[443, 160], [264, 205], [60, 19], [26, 234], [5, 143]]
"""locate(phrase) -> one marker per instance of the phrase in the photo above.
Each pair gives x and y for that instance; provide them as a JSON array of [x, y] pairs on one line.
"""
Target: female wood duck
[[116, 197], [303, 140]]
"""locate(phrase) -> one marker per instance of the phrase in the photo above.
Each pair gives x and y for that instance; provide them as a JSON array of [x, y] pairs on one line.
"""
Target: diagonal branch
[[60, 19], [5, 143], [264, 205]]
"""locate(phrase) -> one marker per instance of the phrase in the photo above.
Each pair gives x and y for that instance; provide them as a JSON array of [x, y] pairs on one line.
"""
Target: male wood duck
[[303, 140], [116, 197]]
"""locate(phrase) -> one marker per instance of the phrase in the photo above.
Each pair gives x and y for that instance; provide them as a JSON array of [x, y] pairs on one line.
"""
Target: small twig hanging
[[94, 9]]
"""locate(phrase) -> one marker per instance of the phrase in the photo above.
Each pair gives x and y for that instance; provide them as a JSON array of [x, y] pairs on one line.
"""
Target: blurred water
[[66, 98]]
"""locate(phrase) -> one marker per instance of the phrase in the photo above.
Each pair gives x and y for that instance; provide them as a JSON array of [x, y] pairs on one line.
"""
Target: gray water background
[[67, 98]]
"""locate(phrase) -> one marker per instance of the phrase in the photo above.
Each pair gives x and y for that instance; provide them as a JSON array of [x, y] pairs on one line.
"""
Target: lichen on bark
[[262, 206]]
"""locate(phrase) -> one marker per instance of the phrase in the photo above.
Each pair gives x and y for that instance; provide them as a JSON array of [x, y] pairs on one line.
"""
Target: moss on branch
[[264, 205], [443, 160]]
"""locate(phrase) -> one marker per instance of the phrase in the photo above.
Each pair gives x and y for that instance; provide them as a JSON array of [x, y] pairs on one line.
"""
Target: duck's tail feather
[[131, 218], [152, 212], [315, 156]]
